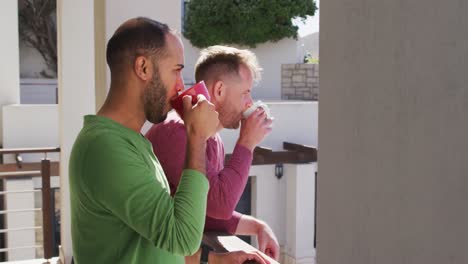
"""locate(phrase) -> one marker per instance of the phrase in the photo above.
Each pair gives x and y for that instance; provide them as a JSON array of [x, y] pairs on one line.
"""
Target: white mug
[[253, 107]]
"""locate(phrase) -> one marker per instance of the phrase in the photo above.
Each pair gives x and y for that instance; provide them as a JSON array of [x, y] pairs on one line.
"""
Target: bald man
[[122, 210]]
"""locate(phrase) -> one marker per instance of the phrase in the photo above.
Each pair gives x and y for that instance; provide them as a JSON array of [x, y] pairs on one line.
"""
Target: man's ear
[[219, 91], [143, 68]]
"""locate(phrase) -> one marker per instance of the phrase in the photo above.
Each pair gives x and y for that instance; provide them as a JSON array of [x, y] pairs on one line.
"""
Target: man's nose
[[248, 102], [180, 86]]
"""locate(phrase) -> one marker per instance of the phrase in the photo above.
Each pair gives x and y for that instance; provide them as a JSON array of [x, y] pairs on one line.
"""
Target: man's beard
[[154, 99], [227, 118]]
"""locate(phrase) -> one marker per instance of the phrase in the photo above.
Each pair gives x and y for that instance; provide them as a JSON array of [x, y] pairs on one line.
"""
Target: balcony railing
[[293, 153], [44, 169]]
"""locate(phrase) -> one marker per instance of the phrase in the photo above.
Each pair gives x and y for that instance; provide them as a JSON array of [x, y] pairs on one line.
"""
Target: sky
[[311, 24]]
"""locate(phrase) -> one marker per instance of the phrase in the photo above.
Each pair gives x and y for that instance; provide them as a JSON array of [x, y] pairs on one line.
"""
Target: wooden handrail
[[262, 150], [292, 157], [31, 169], [298, 147], [293, 154], [29, 150], [222, 243]]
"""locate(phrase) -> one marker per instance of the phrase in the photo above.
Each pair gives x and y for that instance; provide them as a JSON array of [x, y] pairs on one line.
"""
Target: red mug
[[199, 88]]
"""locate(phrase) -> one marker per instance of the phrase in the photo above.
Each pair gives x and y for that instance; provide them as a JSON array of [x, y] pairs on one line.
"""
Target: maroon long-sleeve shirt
[[227, 182]]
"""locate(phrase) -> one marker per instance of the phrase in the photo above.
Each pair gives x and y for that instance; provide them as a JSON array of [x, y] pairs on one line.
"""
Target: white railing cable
[[21, 191], [20, 210], [20, 229]]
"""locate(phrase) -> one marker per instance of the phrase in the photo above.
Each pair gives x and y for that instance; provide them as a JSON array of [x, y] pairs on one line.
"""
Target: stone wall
[[300, 81]]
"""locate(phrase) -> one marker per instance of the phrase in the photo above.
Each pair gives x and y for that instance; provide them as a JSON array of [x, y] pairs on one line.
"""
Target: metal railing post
[[46, 208]]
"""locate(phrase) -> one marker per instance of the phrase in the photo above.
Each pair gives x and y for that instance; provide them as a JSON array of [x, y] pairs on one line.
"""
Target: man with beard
[[229, 74], [122, 210]]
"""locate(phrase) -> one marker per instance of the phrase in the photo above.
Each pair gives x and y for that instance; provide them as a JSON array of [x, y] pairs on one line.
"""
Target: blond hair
[[217, 61]]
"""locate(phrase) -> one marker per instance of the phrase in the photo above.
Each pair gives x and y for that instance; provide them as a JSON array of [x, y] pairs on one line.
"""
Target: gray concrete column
[[393, 132]]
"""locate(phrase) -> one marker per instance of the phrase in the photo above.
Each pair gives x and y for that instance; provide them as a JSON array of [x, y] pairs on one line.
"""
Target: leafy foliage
[[309, 59], [243, 22]]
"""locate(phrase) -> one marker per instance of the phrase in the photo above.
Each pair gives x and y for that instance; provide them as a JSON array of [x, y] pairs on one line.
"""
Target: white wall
[[295, 122], [118, 11], [269, 198], [30, 126], [393, 132], [9, 52], [287, 205], [191, 55], [76, 79], [27, 126], [270, 56]]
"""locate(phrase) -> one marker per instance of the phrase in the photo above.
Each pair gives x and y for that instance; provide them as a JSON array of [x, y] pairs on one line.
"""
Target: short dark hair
[[136, 37]]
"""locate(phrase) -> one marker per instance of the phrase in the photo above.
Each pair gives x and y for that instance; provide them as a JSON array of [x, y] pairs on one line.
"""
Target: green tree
[[243, 22]]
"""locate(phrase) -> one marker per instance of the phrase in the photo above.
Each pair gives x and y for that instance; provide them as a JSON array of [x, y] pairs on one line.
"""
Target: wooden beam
[[304, 151], [259, 150], [29, 150], [295, 154], [298, 147], [291, 157]]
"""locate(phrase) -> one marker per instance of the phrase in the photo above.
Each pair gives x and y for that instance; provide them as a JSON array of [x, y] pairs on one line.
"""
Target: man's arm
[[227, 185], [240, 224], [195, 157], [267, 242], [219, 225], [136, 192], [199, 128]]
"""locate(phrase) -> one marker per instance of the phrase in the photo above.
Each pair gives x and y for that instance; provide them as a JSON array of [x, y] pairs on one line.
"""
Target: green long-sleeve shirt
[[121, 207]]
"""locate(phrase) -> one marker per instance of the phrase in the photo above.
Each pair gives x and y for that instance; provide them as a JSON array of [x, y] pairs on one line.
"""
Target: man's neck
[[220, 127], [123, 110]]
